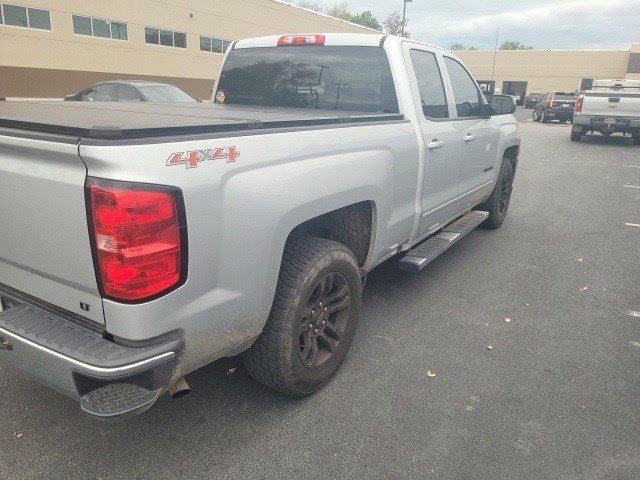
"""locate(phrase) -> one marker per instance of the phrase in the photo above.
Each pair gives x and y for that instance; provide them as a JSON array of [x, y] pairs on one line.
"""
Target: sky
[[544, 24]]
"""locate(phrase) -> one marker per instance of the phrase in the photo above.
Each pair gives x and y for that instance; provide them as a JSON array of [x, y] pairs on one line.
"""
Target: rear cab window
[[347, 78], [465, 91]]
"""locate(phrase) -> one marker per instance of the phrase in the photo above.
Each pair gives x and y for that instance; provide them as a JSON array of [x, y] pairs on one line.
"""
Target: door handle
[[470, 137], [435, 144]]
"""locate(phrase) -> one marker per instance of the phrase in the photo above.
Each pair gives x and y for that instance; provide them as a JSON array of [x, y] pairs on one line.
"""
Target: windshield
[[315, 77], [165, 93]]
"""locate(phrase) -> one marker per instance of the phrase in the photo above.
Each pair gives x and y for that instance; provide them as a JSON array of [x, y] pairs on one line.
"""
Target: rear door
[[479, 136], [442, 141], [44, 239]]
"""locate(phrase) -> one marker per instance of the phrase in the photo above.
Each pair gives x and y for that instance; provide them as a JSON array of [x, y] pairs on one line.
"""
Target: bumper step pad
[[117, 400], [426, 252]]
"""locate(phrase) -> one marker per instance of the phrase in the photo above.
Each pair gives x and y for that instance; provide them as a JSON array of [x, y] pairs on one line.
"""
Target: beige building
[[533, 71], [52, 48]]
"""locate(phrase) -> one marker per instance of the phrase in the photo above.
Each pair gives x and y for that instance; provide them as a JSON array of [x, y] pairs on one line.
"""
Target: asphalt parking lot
[[557, 396]]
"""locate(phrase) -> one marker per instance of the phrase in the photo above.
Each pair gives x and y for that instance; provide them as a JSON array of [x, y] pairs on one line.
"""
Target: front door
[[442, 142], [479, 137]]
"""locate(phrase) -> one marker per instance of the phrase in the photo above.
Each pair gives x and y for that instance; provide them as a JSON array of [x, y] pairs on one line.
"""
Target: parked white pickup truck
[[610, 106], [140, 242]]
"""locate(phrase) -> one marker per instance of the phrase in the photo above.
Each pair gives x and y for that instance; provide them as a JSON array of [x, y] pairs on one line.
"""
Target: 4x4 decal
[[193, 157]]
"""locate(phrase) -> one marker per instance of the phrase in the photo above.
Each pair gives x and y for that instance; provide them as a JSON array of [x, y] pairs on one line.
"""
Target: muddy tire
[[313, 318]]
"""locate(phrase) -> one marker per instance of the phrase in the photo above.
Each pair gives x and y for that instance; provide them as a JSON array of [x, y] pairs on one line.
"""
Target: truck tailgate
[[612, 104], [44, 241]]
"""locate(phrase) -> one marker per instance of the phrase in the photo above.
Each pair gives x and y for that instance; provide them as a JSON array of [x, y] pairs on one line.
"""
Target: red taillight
[[299, 40], [577, 108], [137, 239]]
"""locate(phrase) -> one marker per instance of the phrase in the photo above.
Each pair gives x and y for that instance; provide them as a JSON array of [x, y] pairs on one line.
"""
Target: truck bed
[[114, 121]]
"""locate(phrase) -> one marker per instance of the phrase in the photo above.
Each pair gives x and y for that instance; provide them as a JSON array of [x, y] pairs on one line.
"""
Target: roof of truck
[[118, 121]]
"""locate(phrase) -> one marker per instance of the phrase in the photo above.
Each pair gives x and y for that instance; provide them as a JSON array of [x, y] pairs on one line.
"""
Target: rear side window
[[425, 66], [465, 91], [315, 77], [126, 93]]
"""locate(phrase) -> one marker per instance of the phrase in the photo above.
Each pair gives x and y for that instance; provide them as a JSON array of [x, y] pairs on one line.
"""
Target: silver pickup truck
[[610, 106], [139, 242]]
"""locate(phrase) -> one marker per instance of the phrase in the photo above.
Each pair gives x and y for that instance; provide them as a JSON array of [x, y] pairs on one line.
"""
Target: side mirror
[[502, 105]]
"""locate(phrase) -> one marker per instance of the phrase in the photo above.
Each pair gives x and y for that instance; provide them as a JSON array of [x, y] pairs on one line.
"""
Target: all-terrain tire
[[636, 139], [576, 136], [498, 203], [276, 358]]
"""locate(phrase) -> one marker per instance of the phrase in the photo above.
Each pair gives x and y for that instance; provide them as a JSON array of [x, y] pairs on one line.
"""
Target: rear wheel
[[312, 320], [498, 203], [543, 117], [636, 138], [576, 136]]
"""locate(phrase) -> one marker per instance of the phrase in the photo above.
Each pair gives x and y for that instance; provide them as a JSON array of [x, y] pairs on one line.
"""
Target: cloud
[[545, 24]]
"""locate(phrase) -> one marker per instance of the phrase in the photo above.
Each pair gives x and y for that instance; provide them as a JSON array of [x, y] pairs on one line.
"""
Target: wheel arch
[[352, 225]]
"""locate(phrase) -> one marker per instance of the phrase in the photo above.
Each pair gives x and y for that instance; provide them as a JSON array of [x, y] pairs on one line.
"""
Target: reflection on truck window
[[333, 78]]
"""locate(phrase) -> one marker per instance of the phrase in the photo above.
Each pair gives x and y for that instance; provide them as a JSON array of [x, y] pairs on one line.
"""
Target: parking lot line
[[630, 166], [631, 186], [632, 225]]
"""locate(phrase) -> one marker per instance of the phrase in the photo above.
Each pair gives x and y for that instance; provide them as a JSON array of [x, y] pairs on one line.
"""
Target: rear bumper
[[78, 361], [597, 123], [559, 113]]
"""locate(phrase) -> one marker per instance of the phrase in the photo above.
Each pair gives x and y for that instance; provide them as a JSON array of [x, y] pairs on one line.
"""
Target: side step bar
[[426, 252]]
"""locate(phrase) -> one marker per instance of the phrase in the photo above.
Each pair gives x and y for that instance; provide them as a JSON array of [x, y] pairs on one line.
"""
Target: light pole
[[404, 16]]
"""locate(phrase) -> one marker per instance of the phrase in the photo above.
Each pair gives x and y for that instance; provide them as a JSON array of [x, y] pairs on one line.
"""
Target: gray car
[[132, 91]]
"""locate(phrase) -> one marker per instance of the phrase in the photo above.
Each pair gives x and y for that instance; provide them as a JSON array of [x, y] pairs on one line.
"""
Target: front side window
[[313, 77], [465, 90], [432, 96], [165, 94]]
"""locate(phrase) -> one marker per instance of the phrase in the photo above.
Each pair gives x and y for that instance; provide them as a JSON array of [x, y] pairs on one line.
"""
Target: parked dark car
[[555, 106], [132, 91], [532, 100]]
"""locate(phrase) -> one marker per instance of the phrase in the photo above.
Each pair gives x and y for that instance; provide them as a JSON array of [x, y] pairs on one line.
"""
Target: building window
[[19, 16], [98, 27], [215, 45], [166, 38]]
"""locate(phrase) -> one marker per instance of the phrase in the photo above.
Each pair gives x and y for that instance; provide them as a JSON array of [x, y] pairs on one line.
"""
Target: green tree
[[341, 11], [393, 25], [514, 45], [367, 19], [311, 6]]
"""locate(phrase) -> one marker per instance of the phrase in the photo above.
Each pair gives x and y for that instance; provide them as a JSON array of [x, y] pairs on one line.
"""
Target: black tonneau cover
[[118, 121]]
